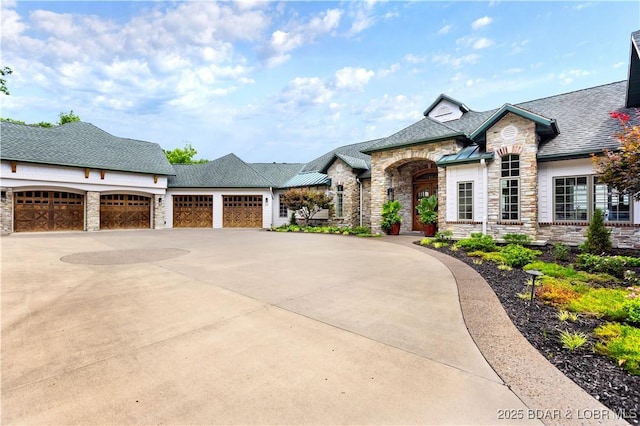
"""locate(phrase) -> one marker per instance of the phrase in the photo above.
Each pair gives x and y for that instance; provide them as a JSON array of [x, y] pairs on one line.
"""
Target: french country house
[[519, 168]]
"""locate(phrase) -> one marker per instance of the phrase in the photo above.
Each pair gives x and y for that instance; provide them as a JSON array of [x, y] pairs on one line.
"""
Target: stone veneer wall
[[93, 210], [386, 169], [158, 211], [341, 174], [6, 211], [523, 143], [366, 203], [574, 235]]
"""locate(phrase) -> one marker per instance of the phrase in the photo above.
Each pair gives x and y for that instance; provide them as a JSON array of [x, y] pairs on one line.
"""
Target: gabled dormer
[[633, 82], [445, 108]]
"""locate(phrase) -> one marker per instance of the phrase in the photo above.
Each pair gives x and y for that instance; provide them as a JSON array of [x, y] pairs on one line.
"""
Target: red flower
[[619, 116]]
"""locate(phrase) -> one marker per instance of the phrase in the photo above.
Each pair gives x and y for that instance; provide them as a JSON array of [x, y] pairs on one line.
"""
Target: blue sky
[[288, 81]]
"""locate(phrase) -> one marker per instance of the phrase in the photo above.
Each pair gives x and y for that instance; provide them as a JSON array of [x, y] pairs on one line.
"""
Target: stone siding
[[159, 202], [93, 211], [366, 203], [519, 138], [574, 235], [6, 211], [341, 174], [394, 169]]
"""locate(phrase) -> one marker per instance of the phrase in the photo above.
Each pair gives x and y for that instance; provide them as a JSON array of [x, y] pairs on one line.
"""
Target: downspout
[[360, 183], [485, 176]]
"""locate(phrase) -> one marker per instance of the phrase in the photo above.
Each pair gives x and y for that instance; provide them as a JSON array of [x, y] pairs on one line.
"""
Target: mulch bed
[[599, 376]]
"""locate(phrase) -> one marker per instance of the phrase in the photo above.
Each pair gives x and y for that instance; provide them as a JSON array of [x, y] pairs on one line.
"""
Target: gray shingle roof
[[79, 144], [225, 172], [350, 154], [582, 118], [277, 173]]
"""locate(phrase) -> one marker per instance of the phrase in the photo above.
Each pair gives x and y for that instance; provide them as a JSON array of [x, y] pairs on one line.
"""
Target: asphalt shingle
[[225, 172], [80, 144]]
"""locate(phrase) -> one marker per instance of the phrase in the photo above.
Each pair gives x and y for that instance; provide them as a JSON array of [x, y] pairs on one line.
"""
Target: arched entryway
[[424, 183]]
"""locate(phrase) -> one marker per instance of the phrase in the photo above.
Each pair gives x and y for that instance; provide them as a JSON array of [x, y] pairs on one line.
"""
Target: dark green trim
[[567, 156], [485, 156], [538, 119]]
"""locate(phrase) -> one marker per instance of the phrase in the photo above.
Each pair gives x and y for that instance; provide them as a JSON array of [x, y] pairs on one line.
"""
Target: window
[[576, 197], [616, 206], [283, 211], [510, 188], [465, 200], [339, 201]]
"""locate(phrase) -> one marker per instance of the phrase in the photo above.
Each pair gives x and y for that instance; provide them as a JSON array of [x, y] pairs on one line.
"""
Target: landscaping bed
[[541, 324]]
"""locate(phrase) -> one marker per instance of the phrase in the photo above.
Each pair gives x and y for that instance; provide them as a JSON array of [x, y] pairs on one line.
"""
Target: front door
[[424, 185]]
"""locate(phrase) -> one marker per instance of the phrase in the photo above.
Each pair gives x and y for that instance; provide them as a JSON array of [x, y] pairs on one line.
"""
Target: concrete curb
[[550, 395]]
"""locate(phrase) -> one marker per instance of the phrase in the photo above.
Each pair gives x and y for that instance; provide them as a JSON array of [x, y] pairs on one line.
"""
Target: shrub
[[443, 236], [426, 241], [560, 251], [292, 219], [361, 230], [567, 316], [557, 295], [621, 343], [632, 309], [517, 256], [598, 236], [614, 265], [477, 242], [520, 239], [602, 302], [572, 341]]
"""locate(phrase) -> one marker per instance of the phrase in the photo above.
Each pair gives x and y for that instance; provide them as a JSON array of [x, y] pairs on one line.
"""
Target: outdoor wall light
[[160, 200], [3, 196], [266, 200], [534, 274], [390, 193]]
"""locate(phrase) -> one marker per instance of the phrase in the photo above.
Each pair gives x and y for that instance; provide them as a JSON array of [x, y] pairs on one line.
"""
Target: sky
[[289, 81]]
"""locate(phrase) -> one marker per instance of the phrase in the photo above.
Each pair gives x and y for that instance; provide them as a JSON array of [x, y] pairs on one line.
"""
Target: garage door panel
[[48, 211], [242, 211], [192, 211], [125, 211]]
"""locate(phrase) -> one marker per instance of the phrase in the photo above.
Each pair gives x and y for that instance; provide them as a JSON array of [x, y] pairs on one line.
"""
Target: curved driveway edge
[[556, 399]]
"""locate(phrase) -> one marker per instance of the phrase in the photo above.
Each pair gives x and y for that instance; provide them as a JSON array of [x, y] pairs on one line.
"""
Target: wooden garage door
[[192, 211], [48, 211], [125, 211], [242, 211]]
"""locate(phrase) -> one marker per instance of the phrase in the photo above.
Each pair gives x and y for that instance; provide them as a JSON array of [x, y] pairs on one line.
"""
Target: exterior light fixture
[[534, 274], [390, 193]]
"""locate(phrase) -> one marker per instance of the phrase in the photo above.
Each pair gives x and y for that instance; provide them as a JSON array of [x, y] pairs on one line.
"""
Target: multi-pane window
[[510, 188], [465, 200], [616, 206], [576, 197], [339, 201], [283, 211]]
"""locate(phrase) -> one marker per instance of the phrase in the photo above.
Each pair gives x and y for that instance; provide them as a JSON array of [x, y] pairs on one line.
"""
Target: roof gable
[[633, 82], [445, 108], [80, 144], [542, 123]]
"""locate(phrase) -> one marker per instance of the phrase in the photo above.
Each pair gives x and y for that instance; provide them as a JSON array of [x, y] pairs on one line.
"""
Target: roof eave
[[498, 115], [32, 161], [456, 136], [478, 159]]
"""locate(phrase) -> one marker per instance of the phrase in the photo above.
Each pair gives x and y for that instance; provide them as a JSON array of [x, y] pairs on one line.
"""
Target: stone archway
[[425, 183]]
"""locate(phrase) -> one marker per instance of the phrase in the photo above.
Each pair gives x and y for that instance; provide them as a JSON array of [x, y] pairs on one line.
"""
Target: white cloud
[[413, 59], [481, 22], [619, 64], [387, 71], [453, 61], [445, 30], [568, 77], [482, 43], [363, 17], [353, 78]]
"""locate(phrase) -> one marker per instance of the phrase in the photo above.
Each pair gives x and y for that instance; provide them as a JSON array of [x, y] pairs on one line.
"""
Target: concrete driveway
[[236, 327]]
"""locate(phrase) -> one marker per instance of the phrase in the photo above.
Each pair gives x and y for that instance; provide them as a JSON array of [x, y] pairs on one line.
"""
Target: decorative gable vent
[[443, 110], [509, 132]]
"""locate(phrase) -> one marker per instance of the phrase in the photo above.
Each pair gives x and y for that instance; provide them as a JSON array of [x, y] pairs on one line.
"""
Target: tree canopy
[[306, 202], [621, 168], [4, 71], [183, 155], [67, 118], [63, 118]]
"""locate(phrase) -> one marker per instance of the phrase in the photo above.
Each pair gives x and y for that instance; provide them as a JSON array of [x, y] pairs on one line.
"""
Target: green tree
[[621, 168], [66, 118], [598, 236], [306, 202], [4, 71], [183, 156]]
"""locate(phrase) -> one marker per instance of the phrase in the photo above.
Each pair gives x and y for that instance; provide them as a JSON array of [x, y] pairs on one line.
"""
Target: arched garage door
[[125, 211], [242, 211], [192, 211], [48, 211]]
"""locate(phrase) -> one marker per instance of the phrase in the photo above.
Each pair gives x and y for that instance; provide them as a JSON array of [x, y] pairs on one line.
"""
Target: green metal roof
[[307, 179], [468, 154], [80, 144]]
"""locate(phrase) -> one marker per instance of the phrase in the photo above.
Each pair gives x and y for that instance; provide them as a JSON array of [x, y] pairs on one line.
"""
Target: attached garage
[[125, 211], [242, 211], [192, 211], [48, 211]]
